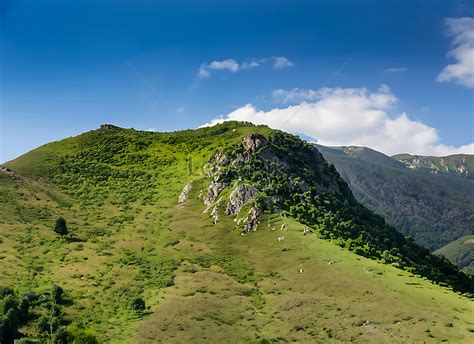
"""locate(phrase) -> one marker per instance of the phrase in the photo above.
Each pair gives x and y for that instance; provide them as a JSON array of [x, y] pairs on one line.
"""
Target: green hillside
[[434, 209], [461, 253], [458, 164], [267, 244]]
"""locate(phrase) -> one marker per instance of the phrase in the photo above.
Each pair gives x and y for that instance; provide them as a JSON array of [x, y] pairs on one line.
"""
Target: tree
[[61, 227], [57, 294]]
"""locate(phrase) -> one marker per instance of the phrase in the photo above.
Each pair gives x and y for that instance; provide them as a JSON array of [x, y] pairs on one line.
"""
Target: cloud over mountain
[[348, 116]]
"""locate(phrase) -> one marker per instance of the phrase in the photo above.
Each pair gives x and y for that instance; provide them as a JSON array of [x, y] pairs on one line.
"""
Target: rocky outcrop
[[215, 211], [259, 162], [10, 173], [253, 218], [241, 195], [184, 195], [254, 142], [108, 127], [213, 190]]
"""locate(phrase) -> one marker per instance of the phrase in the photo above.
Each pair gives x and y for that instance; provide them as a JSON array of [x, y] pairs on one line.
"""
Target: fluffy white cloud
[[396, 69], [233, 66], [281, 62], [349, 116], [229, 64], [461, 72]]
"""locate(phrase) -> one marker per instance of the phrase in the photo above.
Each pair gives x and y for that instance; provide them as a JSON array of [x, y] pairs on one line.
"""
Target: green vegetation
[[41, 311], [461, 253], [139, 268], [433, 209], [60, 227], [296, 189]]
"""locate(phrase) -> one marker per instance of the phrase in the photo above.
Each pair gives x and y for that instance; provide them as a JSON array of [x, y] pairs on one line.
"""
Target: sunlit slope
[[204, 282], [460, 252], [259, 294]]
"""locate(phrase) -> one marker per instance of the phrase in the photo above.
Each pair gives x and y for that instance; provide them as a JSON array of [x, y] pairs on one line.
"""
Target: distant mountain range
[[459, 164], [428, 198]]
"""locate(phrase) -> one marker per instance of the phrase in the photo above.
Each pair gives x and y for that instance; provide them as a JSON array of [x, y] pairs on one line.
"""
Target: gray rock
[[253, 218], [241, 195], [215, 211], [213, 191], [254, 142], [184, 195]]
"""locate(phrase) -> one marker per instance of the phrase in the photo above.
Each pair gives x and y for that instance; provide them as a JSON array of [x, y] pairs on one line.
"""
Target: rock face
[[215, 211], [261, 163], [184, 195], [241, 195], [254, 142], [213, 191], [253, 219], [108, 127]]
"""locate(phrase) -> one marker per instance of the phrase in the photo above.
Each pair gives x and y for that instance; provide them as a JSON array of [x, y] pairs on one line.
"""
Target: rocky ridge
[[234, 169]]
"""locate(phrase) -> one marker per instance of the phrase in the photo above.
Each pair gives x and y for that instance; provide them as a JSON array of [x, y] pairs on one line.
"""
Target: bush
[[137, 304], [61, 227], [79, 335]]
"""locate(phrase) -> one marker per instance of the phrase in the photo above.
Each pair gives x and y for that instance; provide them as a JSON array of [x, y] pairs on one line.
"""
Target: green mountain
[[434, 209], [233, 233], [461, 253], [458, 164]]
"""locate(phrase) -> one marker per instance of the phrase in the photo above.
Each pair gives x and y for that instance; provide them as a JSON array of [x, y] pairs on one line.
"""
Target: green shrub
[[61, 227], [137, 304]]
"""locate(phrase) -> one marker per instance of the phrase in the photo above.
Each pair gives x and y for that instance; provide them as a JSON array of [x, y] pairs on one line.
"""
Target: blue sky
[[356, 72]]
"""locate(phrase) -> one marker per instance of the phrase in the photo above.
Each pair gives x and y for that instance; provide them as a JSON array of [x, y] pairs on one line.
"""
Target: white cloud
[[250, 64], [203, 73], [151, 129], [225, 64], [233, 66], [350, 116], [461, 72], [281, 62], [229, 64], [396, 69]]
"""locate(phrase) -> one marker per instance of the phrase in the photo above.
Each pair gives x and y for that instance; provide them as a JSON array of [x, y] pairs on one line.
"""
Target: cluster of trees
[[41, 312], [294, 180]]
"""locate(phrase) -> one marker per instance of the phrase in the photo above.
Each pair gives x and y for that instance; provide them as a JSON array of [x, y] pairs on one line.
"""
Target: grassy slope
[[460, 252], [225, 286]]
